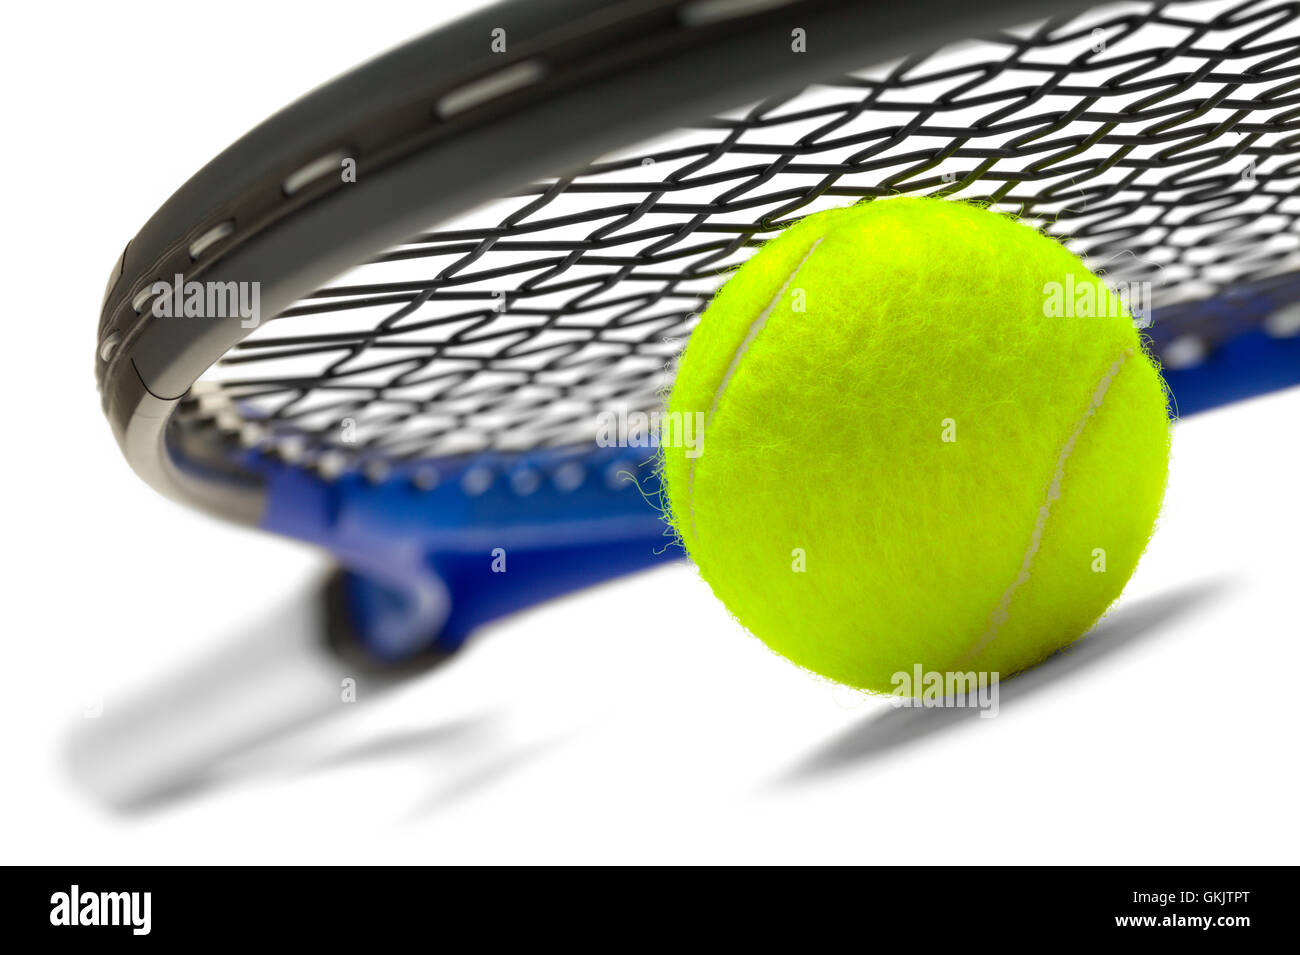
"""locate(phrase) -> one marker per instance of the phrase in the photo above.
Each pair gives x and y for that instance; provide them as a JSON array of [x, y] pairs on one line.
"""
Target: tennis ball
[[930, 436]]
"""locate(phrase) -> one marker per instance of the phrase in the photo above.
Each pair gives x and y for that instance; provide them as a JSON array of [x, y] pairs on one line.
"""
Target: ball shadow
[[886, 732]]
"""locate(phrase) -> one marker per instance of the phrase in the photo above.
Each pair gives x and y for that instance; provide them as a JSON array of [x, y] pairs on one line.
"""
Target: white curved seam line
[[1003, 611], [755, 327]]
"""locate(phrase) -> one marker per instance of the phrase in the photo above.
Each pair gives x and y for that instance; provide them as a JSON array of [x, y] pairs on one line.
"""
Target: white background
[[633, 723]]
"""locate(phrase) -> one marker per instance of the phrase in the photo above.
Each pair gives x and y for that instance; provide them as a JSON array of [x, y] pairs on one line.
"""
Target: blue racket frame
[[424, 568]]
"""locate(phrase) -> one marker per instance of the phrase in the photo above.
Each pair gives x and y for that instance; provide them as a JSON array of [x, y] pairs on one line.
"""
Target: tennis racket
[[389, 319]]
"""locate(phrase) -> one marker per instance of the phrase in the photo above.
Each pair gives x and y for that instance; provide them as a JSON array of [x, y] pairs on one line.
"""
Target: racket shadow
[[215, 721], [883, 733]]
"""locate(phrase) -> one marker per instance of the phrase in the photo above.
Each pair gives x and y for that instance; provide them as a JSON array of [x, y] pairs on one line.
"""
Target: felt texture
[[905, 460]]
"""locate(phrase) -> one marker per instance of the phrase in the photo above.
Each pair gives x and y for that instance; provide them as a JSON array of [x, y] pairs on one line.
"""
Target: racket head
[[1170, 161]]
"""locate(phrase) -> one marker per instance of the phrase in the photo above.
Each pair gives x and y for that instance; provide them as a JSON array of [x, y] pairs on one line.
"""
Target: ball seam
[[754, 328], [1002, 613]]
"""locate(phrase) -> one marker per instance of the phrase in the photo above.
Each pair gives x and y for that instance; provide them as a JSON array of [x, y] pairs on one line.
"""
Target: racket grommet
[[525, 481], [569, 477], [331, 464], [210, 238], [426, 477], [109, 344], [1283, 323], [291, 448], [476, 481], [620, 475], [493, 86], [1185, 351], [252, 434], [142, 298], [318, 168]]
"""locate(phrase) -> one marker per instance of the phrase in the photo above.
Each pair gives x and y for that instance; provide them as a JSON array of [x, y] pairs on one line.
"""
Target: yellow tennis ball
[[930, 437]]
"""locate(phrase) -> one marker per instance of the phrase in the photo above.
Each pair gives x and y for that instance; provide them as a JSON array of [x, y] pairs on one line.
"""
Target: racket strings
[[1162, 143]]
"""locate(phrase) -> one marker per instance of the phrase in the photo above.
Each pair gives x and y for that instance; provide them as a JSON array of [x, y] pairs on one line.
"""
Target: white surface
[[631, 723]]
